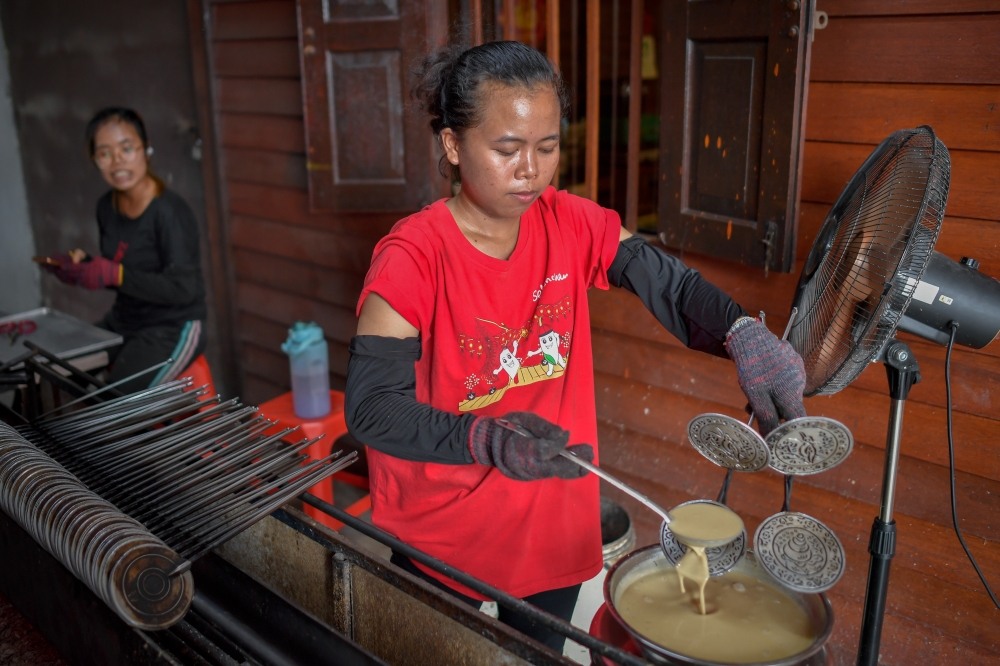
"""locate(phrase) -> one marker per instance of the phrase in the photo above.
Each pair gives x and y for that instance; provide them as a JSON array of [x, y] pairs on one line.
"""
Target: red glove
[[525, 457], [67, 271], [97, 273]]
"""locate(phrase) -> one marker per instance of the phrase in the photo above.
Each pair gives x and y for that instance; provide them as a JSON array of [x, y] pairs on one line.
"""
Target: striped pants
[[149, 346]]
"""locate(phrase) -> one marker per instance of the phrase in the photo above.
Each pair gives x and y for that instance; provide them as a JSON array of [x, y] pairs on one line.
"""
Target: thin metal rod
[[724, 491], [476, 22], [16, 360], [108, 387], [53, 377], [261, 503], [620, 485], [891, 460], [230, 453], [791, 321], [145, 396], [503, 599], [7, 412], [68, 367], [259, 510], [593, 100], [634, 118]]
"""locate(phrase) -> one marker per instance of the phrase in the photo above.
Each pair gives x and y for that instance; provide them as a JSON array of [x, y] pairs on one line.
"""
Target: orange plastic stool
[[333, 426], [200, 374]]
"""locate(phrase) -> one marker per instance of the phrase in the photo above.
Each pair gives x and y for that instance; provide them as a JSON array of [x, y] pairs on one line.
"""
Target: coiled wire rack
[[127, 493]]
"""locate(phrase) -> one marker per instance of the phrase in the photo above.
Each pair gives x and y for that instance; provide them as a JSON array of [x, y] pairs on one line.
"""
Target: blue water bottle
[[310, 366]]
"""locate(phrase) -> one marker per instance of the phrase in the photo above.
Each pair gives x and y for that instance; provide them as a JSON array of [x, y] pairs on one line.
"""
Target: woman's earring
[[149, 151]]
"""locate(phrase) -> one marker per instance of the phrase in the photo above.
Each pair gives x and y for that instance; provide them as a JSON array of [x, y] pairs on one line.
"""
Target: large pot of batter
[[751, 619]]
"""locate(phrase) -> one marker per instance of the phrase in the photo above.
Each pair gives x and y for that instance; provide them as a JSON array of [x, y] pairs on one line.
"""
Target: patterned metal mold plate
[[728, 442], [720, 558], [809, 445], [800, 552]]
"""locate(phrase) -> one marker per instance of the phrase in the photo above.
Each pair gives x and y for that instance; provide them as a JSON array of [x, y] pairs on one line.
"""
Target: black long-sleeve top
[[162, 280], [381, 404]]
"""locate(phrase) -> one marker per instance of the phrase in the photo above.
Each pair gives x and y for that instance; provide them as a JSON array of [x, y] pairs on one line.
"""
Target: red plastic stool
[[334, 426], [200, 374]]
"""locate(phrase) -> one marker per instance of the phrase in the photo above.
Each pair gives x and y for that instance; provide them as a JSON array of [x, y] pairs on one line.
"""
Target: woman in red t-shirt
[[474, 316]]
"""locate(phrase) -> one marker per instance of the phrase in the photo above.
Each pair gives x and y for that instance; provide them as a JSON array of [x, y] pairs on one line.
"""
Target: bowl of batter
[[750, 618]]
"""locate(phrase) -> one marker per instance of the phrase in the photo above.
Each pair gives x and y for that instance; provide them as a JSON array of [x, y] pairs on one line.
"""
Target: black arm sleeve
[[381, 408], [694, 310]]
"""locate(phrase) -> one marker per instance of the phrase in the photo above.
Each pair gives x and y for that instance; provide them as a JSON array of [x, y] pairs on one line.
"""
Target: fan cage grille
[[887, 222]]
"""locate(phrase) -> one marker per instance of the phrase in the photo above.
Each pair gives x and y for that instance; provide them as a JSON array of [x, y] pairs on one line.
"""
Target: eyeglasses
[[126, 152]]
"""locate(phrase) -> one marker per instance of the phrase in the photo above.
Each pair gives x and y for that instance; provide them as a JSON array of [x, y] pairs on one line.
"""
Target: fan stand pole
[[903, 372]]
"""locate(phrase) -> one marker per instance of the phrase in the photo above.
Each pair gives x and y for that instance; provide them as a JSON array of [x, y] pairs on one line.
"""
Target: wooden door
[[368, 148], [734, 81]]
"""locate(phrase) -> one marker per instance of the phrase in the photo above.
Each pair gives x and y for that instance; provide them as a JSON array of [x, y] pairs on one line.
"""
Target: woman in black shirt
[[149, 253]]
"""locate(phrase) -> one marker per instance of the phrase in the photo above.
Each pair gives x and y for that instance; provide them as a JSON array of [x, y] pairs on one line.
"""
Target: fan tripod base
[[903, 372]]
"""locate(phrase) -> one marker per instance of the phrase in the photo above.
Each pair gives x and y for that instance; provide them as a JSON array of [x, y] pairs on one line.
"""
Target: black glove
[[770, 372], [525, 447]]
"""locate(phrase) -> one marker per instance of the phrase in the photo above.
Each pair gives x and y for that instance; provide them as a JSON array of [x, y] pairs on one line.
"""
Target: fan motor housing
[[954, 292]]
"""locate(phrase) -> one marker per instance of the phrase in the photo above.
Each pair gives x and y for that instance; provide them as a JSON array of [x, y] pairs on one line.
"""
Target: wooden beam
[[509, 24], [909, 49], [552, 48], [552, 30], [904, 7], [634, 118], [593, 119], [221, 281], [476, 22]]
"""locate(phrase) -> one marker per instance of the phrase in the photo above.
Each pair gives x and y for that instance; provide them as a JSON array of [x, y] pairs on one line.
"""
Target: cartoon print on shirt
[[495, 346], [509, 363], [548, 347]]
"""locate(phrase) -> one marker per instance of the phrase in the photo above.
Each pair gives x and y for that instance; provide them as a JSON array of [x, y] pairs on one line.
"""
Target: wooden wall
[[289, 264], [881, 65]]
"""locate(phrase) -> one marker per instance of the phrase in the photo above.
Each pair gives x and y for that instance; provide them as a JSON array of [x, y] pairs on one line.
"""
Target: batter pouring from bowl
[[694, 524]]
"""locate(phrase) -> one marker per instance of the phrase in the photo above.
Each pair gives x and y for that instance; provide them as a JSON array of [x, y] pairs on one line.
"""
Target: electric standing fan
[[871, 270]]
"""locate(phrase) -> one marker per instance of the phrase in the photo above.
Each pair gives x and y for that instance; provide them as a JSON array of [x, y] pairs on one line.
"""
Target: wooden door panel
[[366, 115], [733, 88], [724, 142], [366, 149]]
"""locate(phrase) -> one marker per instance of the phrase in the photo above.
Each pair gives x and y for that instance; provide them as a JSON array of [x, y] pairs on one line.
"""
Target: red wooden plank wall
[[879, 66], [289, 264]]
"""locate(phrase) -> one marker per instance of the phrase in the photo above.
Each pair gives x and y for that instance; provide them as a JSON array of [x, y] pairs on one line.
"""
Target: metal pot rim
[[650, 648]]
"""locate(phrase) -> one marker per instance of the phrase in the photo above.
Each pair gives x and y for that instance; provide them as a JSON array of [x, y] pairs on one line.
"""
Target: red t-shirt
[[498, 336]]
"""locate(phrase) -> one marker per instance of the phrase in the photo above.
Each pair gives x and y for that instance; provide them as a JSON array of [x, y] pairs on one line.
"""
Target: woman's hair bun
[[447, 82]]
